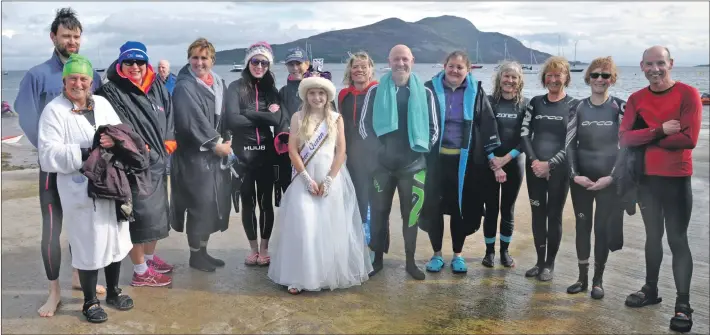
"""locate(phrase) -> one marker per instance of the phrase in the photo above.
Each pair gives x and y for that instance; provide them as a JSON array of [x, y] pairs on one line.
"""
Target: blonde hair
[[604, 63], [307, 127], [360, 55], [509, 66], [556, 63], [202, 44]]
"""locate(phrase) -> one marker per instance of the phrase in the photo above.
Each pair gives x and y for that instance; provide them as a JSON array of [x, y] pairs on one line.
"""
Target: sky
[[618, 29]]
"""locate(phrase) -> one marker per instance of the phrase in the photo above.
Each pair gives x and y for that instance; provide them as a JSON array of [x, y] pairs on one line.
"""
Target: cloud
[[620, 29]]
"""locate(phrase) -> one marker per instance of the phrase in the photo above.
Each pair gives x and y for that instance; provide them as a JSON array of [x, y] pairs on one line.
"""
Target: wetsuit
[[350, 104], [592, 148], [543, 138], [665, 194], [40, 85], [398, 167], [253, 144], [501, 197]]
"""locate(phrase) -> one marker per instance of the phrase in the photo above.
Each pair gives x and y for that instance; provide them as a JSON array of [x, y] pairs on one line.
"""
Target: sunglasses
[[130, 62], [595, 75], [256, 62]]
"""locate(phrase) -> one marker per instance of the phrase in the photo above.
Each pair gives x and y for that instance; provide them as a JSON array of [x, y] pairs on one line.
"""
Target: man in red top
[[672, 112]]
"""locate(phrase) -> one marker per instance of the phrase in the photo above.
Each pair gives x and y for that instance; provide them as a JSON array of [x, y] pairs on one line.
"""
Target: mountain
[[430, 39]]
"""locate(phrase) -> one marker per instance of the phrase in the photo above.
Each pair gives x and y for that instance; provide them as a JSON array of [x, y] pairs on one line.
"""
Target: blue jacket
[[170, 83], [39, 86]]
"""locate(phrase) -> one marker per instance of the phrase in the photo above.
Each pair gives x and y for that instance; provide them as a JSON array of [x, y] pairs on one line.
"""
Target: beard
[[63, 51]]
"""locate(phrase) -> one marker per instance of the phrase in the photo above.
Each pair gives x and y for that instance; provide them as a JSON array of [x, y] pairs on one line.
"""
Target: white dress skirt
[[318, 242]]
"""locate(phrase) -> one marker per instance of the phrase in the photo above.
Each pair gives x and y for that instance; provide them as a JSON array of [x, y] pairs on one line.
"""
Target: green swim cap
[[78, 64]]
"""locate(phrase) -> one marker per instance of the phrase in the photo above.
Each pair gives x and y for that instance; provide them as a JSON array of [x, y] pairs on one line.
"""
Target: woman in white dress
[[318, 238], [66, 131]]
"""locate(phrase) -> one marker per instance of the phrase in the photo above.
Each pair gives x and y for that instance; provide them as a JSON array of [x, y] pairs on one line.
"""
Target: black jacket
[[483, 134], [250, 122], [149, 113]]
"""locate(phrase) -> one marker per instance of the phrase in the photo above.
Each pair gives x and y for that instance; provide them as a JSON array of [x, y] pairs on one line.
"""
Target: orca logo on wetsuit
[[507, 116], [549, 117], [597, 123]]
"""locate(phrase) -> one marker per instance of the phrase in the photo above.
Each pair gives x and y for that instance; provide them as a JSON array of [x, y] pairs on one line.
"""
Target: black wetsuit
[[398, 167], [253, 144], [501, 197], [592, 150], [543, 136]]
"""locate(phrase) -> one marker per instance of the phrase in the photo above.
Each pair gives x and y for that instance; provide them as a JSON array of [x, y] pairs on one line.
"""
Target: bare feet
[[76, 283], [53, 301]]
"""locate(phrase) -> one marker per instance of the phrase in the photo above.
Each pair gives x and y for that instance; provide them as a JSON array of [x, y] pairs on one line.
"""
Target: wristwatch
[[552, 165]]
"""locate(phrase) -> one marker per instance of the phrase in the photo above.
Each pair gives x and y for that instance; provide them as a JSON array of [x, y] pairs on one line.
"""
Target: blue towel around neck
[[385, 116]]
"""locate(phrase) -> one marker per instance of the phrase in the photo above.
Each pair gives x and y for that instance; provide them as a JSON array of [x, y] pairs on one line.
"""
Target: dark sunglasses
[[595, 75], [256, 62], [130, 62]]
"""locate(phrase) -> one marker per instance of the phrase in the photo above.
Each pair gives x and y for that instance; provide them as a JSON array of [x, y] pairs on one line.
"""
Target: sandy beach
[[241, 299]]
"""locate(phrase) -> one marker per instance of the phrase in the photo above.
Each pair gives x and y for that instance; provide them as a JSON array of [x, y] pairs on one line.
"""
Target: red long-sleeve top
[[666, 155]]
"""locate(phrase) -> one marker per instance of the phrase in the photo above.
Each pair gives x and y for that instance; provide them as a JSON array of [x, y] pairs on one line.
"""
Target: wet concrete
[[241, 299]]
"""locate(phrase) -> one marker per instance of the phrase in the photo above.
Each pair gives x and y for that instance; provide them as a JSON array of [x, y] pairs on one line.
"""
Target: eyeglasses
[[595, 75], [130, 62], [256, 62]]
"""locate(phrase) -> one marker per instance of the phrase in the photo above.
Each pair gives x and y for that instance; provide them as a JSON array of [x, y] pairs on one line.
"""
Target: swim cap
[[78, 64]]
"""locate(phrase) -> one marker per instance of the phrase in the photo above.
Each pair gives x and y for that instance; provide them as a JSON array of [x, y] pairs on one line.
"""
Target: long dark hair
[[267, 86]]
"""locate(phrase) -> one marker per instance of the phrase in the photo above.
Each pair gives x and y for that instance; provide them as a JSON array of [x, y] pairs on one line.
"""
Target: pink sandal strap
[[252, 258]]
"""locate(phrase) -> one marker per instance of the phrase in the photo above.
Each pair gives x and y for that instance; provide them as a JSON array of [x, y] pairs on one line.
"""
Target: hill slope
[[430, 40]]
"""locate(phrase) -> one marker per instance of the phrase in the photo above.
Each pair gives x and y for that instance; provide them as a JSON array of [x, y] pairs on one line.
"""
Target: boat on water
[[475, 64], [574, 67], [705, 98], [11, 139], [237, 67]]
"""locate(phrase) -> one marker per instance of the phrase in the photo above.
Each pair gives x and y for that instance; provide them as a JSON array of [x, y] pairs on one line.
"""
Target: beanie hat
[[133, 50], [77, 64], [259, 48], [316, 82]]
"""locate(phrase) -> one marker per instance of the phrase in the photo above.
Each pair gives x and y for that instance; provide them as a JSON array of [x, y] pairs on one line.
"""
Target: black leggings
[[607, 210], [51, 224], [502, 197], [547, 201], [669, 198], [89, 279], [448, 181], [257, 188], [410, 187]]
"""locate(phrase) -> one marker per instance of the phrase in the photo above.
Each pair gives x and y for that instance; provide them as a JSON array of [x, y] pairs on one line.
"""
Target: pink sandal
[[263, 260], [252, 259]]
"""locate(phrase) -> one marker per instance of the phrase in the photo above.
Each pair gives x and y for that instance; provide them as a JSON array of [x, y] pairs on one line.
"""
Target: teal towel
[[385, 116]]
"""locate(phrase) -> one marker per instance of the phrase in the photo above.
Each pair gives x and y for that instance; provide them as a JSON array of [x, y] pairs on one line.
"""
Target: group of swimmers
[[445, 145]]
